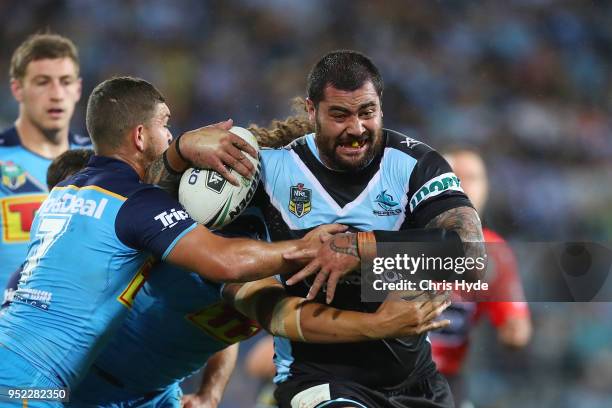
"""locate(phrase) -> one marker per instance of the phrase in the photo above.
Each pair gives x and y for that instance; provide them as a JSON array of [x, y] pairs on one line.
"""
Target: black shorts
[[431, 392]]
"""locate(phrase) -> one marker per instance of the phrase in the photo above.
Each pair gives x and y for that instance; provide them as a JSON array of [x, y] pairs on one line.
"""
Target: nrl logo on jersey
[[300, 200], [13, 175], [387, 203], [16, 180]]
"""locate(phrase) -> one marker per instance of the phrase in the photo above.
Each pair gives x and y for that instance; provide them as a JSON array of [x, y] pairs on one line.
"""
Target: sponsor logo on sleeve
[[170, 218], [435, 186]]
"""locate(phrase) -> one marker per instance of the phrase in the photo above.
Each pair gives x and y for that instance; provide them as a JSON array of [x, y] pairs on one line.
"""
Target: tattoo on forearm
[[463, 220], [466, 223], [157, 174], [345, 244]]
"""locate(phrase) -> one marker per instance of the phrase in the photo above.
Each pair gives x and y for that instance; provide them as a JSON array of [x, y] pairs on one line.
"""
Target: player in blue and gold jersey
[[45, 82], [96, 235]]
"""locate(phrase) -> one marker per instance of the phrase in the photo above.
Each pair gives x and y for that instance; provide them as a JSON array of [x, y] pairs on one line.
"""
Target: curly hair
[[282, 132]]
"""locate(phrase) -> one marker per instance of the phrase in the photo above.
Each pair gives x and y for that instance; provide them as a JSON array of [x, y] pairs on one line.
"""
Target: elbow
[[219, 267], [228, 272]]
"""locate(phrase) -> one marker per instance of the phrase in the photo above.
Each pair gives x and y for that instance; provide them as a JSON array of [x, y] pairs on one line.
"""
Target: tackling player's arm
[[217, 373], [266, 302], [240, 259]]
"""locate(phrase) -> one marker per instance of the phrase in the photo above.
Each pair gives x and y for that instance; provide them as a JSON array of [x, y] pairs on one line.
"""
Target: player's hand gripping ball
[[213, 201]]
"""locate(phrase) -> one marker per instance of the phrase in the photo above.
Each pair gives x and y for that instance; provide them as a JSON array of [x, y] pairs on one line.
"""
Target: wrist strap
[[178, 149], [169, 168], [366, 246]]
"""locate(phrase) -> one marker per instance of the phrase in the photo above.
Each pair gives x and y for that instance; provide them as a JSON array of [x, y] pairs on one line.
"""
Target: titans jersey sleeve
[[152, 220]]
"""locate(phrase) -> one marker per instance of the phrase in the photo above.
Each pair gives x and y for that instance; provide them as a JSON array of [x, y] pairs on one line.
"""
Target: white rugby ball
[[213, 201]]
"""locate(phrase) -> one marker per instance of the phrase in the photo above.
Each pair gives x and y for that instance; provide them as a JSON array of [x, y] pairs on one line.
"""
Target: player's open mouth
[[353, 147], [55, 112], [354, 144]]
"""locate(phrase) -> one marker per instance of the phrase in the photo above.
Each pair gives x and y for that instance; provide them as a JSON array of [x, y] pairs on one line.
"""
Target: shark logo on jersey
[[387, 203], [300, 200]]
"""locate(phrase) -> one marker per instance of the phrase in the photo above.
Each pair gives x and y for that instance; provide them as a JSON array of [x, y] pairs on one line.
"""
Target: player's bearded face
[[349, 127], [158, 136]]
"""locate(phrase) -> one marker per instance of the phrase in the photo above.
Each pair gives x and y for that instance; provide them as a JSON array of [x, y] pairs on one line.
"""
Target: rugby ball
[[213, 201]]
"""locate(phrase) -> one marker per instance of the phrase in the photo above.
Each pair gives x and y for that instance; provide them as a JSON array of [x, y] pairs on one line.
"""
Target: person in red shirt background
[[511, 319]]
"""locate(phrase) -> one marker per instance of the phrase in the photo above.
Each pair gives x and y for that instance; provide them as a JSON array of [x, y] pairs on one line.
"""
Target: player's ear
[[17, 90], [138, 138], [310, 109]]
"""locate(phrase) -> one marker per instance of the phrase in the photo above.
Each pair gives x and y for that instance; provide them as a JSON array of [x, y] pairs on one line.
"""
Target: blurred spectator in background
[[511, 319], [45, 82]]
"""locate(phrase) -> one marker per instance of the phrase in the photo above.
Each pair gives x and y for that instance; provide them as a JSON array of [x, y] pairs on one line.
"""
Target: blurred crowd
[[526, 82]]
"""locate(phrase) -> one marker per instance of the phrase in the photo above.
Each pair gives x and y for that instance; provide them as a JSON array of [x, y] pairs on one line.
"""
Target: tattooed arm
[[466, 223], [337, 257], [158, 174], [344, 252]]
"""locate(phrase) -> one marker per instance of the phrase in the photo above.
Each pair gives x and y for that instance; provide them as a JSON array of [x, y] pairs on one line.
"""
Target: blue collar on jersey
[[9, 137], [110, 163]]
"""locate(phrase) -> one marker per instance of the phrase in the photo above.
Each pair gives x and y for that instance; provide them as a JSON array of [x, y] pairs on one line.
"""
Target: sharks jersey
[[406, 186], [92, 240], [177, 323], [23, 188]]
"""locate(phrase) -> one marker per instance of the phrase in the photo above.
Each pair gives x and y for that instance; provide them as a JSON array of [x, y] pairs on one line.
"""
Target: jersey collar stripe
[[403, 202], [321, 190], [96, 188], [278, 206]]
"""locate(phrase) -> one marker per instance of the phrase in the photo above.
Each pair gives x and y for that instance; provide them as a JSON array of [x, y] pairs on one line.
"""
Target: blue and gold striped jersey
[[22, 191], [92, 242]]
